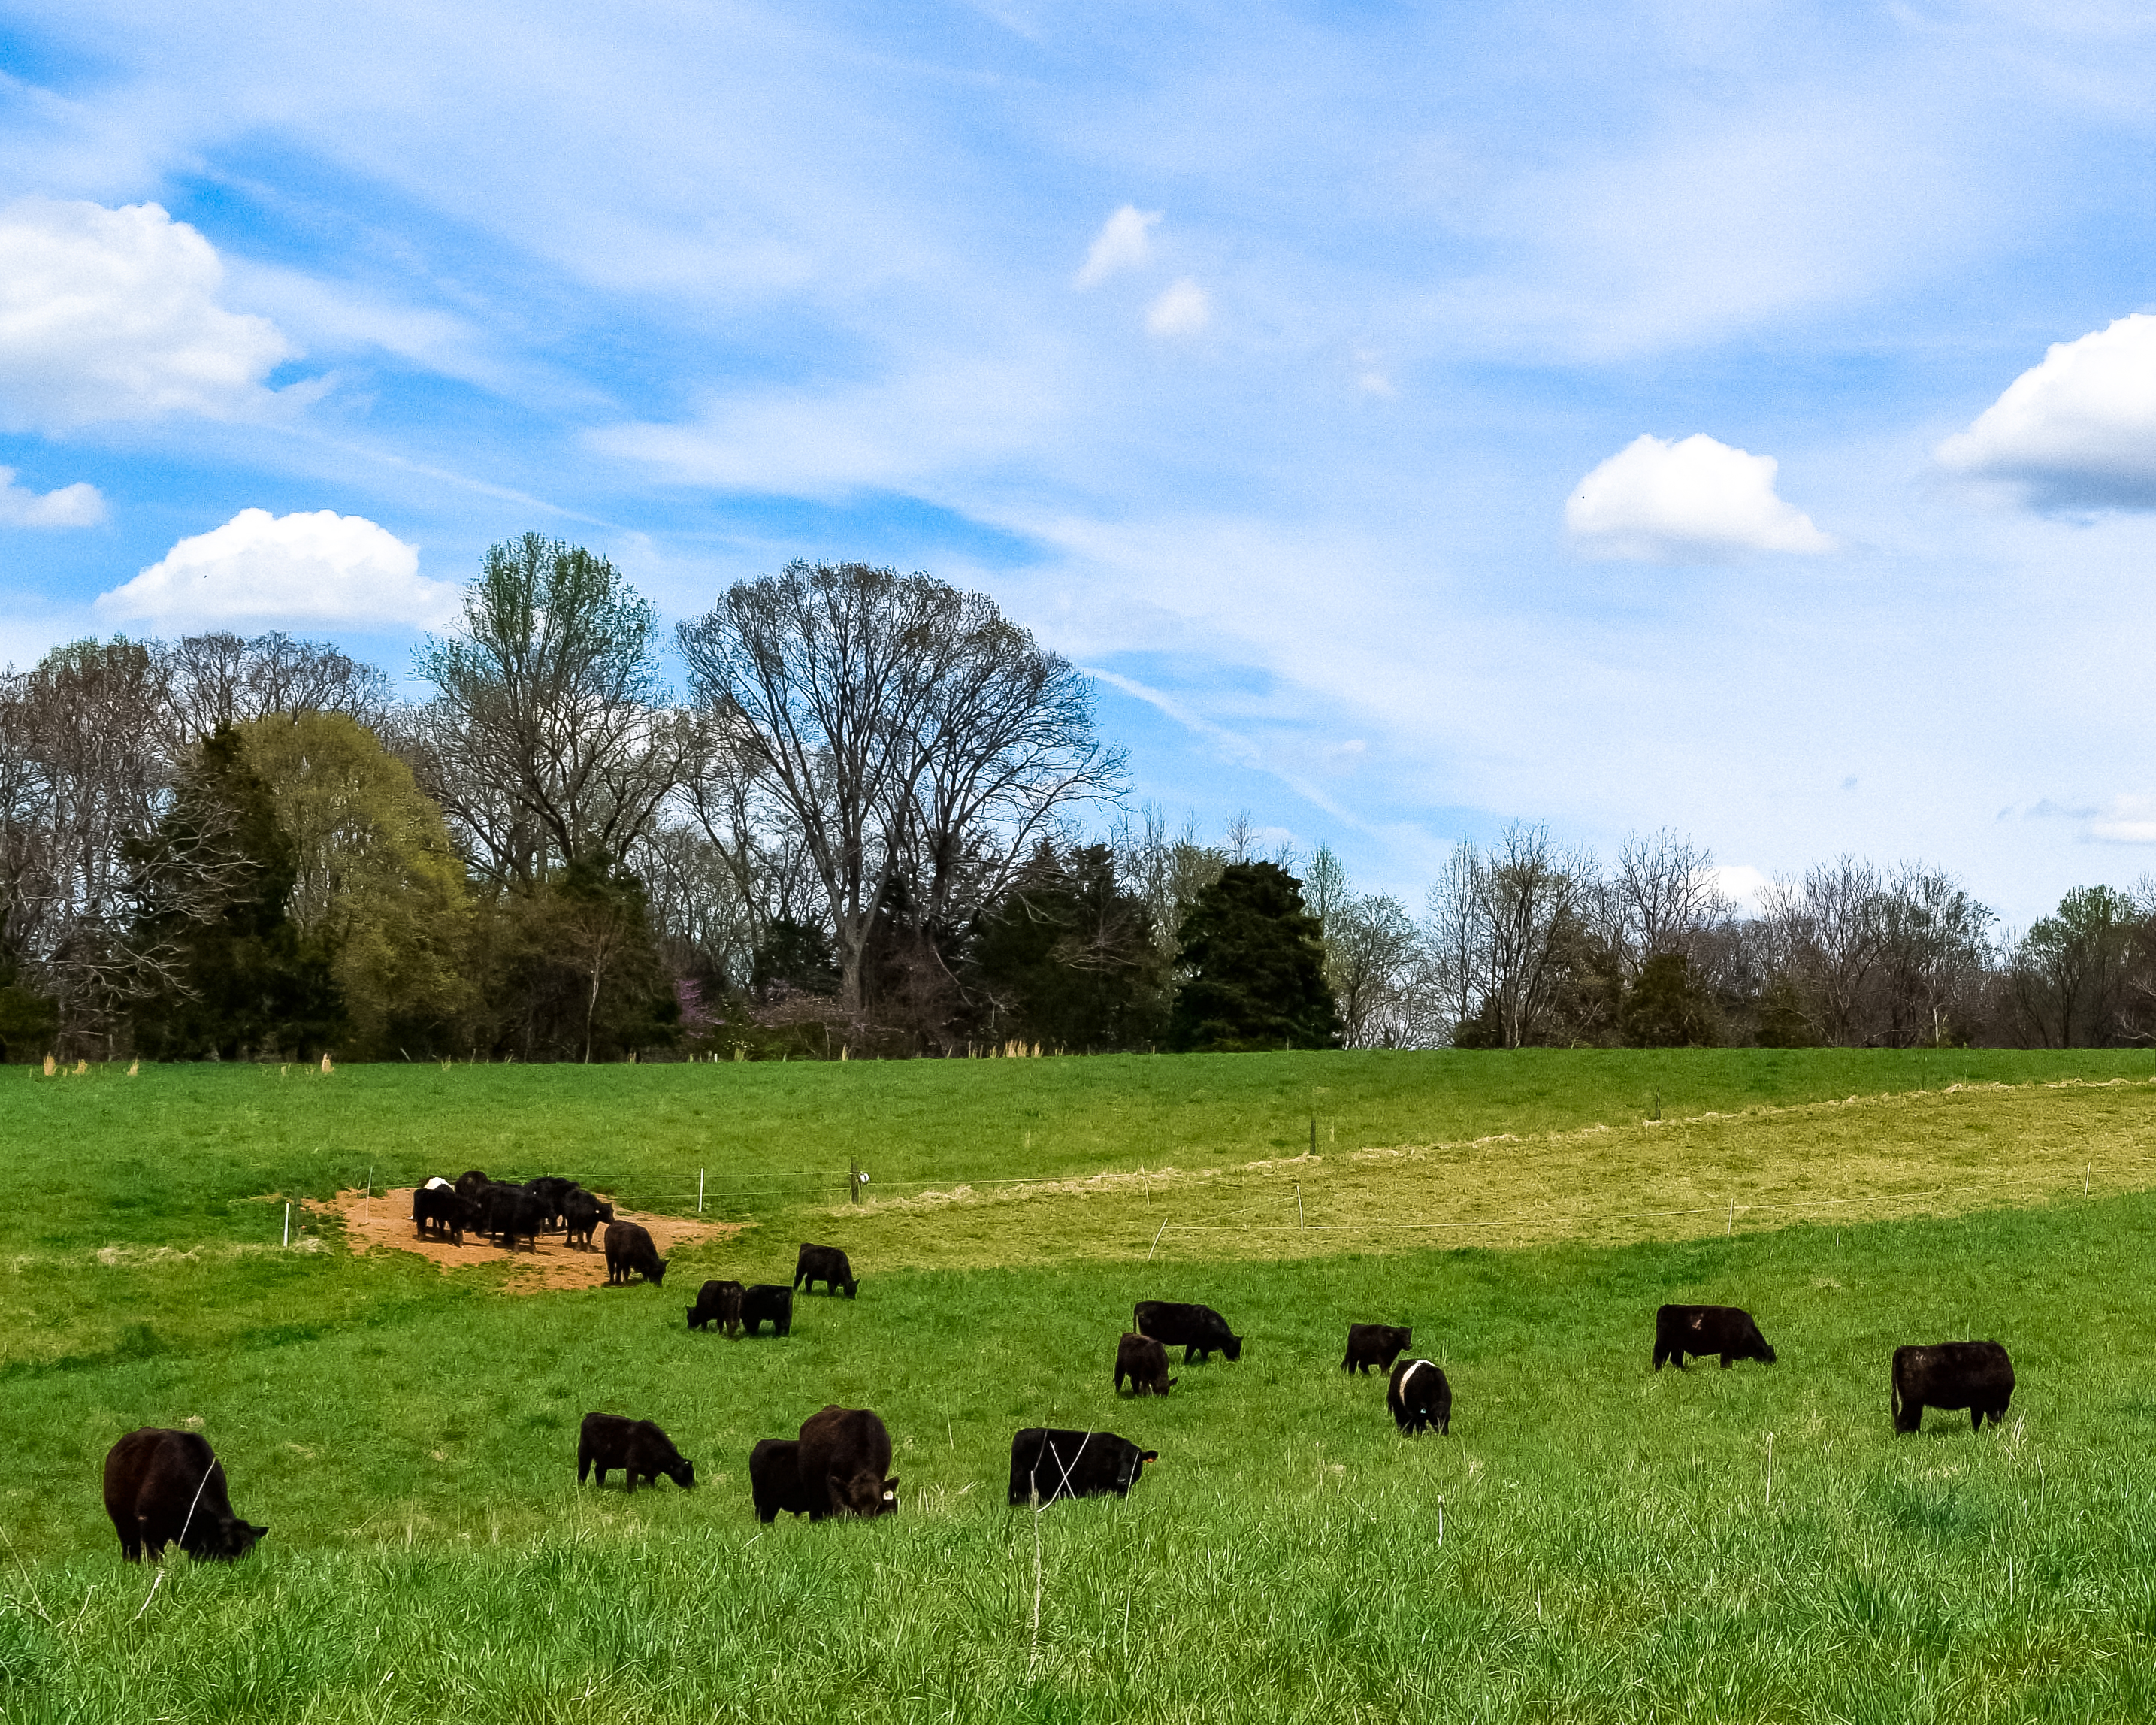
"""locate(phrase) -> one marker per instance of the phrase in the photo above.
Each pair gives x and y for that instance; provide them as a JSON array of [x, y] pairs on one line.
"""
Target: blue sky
[[1739, 417]]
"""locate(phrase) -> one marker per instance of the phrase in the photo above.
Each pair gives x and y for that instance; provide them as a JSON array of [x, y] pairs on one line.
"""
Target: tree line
[[879, 820]]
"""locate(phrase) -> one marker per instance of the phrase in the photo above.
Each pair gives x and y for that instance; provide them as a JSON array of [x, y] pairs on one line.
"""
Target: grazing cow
[[1702, 1330], [1144, 1361], [1975, 1375], [168, 1487], [550, 1189], [1375, 1345], [472, 1182], [768, 1300], [842, 1459], [638, 1447], [1073, 1464], [827, 1265], [437, 1203], [1198, 1330], [513, 1215], [774, 1479], [629, 1248], [1420, 1398], [581, 1215], [718, 1302]]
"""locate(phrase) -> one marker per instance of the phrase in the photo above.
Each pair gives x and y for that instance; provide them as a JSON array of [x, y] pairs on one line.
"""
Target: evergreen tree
[[1068, 958], [1666, 1007], [1256, 965], [232, 975]]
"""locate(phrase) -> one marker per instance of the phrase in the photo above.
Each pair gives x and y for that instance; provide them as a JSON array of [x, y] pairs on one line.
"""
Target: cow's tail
[[1894, 1392]]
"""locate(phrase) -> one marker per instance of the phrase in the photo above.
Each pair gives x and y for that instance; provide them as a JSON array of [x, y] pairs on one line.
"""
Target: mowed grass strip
[[179, 1155], [1861, 1159], [1613, 1545]]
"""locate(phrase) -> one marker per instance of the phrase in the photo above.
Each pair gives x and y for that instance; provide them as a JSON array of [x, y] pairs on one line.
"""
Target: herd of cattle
[[165, 1487]]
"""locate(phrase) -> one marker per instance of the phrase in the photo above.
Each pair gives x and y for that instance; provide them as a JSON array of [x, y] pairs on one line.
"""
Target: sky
[[1732, 418]]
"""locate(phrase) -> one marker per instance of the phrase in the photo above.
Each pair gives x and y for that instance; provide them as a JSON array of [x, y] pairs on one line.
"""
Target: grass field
[[1610, 1548]]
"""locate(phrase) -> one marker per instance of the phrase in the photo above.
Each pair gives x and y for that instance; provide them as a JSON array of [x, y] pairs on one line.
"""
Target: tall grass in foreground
[[1609, 1550]]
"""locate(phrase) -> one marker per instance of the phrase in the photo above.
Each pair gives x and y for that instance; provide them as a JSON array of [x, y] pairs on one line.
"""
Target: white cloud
[[2078, 431], [1740, 884], [1183, 310], [318, 568], [1696, 500], [1123, 242], [113, 314], [2125, 820], [76, 506]]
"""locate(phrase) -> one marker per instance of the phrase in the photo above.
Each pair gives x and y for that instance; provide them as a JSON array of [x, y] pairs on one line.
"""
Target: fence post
[[1298, 1204], [700, 1192], [1313, 1135], [853, 1180], [288, 1221], [1155, 1246]]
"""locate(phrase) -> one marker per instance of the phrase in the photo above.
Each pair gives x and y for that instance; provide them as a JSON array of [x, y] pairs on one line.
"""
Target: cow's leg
[[1661, 1354], [1725, 1362], [1976, 1419]]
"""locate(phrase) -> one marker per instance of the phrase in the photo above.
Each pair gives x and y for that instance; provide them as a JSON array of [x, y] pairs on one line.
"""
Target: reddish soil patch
[[384, 1223]]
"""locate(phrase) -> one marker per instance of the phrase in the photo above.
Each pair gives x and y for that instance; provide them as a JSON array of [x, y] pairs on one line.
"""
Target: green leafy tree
[[1255, 968], [233, 975], [375, 882]]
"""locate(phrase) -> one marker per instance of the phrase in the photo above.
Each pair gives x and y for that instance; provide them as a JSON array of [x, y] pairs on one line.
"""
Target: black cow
[[774, 1479], [638, 1447], [473, 1182], [768, 1300], [550, 1189], [1073, 1464], [1198, 1330], [718, 1302], [1975, 1375], [440, 1205], [165, 1487], [1702, 1330], [629, 1248], [842, 1459], [1420, 1398], [827, 1265], [581, 1215], [513, 1215], [1375, 1345], [1144, 1361]]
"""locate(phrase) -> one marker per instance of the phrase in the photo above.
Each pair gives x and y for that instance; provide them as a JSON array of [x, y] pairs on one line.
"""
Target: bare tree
[[1660, 897], [549, 737], [1530, 890], [904, 730], [1933, 953], [1826, 935], [1370, 949], [1166, 871], [217, 680]]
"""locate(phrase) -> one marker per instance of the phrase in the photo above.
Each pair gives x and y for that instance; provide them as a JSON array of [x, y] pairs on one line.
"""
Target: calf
[[165, 1487], [827, 1265], [1975, 1375], [437, 1203], [1144, 1361], [638, 1447], [842, 1455], [1198, 1330], [774, 1479], [1420, 1398], [513, 1215], [629, 1248], [1375, 1345], [1073, 1464], [1702, 1330], [581, 1215], [718, 1302], [768, 1300]]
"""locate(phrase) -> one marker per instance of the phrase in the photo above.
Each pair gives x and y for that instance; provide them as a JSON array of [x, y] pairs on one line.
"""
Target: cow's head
[[230, 1538], [865, 1494], [1144, 1456], [853, 1286], [683, 1473], [1233, 1347], [655, 1273], [1766, 1352]]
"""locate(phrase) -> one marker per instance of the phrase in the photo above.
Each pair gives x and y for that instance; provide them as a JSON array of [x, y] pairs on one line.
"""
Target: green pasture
[[1594, 1541]]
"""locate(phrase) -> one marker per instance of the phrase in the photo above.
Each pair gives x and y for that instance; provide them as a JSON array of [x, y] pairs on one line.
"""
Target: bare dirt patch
[[384, 1223]]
